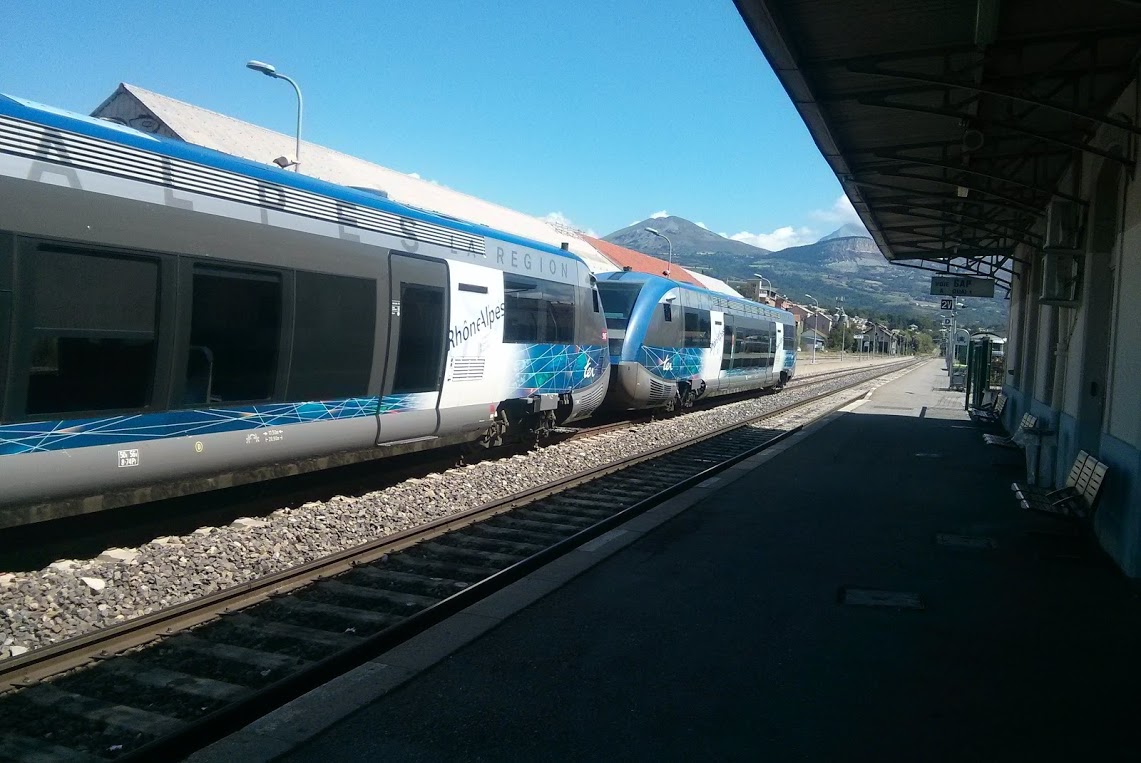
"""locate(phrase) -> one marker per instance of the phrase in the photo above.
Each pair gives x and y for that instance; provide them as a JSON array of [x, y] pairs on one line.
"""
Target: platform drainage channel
[[966, 541], [870, 597]]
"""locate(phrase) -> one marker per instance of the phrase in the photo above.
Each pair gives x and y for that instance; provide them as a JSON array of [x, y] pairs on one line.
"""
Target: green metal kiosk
[[985, 361]]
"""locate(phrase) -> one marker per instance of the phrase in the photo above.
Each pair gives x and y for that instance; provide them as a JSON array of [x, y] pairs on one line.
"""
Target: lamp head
[[652, 230], [260, 66]]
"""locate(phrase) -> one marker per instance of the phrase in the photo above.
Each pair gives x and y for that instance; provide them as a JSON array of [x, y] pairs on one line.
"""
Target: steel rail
[[36, 666], [649, 415], [41, 663]]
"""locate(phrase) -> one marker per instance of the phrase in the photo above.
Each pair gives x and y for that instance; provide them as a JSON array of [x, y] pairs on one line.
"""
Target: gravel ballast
[[73, 597]]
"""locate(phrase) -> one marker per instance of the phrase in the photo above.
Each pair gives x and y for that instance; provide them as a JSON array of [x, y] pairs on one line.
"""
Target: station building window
[[93, 331]]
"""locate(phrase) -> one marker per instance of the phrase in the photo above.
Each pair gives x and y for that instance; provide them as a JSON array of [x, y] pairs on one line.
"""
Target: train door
[[417, 345]]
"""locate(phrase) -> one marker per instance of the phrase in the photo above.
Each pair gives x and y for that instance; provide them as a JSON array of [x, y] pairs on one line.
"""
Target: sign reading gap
[[962, 286]]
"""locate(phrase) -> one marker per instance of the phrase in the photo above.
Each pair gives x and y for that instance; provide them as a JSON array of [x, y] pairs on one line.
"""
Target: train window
[[594, 299], [235, 333], [727, 346], [667, 312], [751, 344], [697, 328], [618, 302], [560, 313], [535, 311], [789, 338], [333, 336], [93, 330], [420, 348]]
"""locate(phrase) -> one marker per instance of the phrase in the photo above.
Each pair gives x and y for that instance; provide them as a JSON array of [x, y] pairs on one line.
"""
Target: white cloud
[[657, 215], [558, 218], [702, 225], [417, 176], [781, 238], [840, 213]]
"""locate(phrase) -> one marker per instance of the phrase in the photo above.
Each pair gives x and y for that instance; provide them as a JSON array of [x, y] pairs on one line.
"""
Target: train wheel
[[688, 398]]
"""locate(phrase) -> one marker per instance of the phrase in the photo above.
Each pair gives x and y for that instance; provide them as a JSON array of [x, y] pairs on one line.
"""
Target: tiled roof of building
[[639, 261], [644, 263]]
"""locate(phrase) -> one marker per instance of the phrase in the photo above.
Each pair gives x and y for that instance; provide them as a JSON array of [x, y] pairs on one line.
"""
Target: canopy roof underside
[[951, 124]]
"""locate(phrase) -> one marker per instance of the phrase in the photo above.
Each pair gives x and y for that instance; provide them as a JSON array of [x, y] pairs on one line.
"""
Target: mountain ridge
[[847, 230], [843, 267], [684, 235]]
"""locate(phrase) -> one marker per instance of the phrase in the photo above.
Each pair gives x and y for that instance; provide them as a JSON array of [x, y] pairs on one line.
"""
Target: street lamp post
[[842, 317], [760, 284], [270, 71], [669, 265], [815, 325]]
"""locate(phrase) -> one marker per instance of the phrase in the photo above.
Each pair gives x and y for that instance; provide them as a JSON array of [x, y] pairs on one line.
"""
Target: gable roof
[[203, 127], [640, 262]]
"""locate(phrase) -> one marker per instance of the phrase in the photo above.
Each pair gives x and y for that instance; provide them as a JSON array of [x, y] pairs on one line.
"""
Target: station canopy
[[950, 124]]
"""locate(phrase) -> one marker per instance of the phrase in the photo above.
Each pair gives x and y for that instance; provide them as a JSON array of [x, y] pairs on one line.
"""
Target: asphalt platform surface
[[870, 593]]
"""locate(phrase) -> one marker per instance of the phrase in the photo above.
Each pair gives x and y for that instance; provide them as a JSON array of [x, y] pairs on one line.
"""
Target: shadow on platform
[[871, 593]]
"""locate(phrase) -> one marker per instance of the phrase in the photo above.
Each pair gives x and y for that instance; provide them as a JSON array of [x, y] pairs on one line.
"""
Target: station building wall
[[1079, 369]]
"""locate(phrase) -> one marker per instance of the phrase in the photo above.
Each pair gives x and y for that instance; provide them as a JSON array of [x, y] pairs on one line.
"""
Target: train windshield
[[618, 302]]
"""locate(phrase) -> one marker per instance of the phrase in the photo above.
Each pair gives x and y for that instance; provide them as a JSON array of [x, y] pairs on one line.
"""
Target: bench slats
[[992, 412], [1077, 498], [1029, 421]]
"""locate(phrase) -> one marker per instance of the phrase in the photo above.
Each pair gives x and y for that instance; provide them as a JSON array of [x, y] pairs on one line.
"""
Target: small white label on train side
[[128, 458]]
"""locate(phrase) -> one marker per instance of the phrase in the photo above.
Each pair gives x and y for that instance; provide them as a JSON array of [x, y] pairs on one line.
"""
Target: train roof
[[663, 284], [161, 114], [100, 129]]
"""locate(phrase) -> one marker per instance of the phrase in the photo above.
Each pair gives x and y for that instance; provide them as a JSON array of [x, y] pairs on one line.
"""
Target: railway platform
[[865, 590]]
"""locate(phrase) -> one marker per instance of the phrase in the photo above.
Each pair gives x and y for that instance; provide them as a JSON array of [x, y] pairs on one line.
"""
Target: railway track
[[630, 418], [161, 685]]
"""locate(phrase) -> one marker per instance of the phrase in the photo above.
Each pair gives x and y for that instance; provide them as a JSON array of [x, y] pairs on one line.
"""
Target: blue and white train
[[672, 343], [174, 319]]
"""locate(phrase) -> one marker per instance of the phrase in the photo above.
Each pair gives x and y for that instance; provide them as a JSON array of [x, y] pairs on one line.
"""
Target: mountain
[[844, 265], [847, 230], [847, 254], [686, 237]]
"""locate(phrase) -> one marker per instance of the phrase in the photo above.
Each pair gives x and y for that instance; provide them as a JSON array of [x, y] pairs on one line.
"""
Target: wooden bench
[[1016, 440], [1077, 498], [991, 413]]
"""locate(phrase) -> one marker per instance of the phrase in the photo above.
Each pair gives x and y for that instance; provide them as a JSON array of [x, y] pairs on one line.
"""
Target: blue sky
[[602, 112]]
